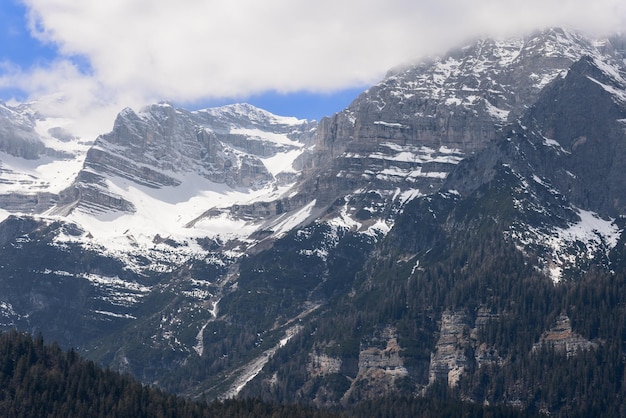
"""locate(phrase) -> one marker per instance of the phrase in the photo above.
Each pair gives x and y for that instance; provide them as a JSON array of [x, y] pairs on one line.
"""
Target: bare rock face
[[449, 359], [379, 369], [162, 141], [459, 349], [590, 145], [561, 338]]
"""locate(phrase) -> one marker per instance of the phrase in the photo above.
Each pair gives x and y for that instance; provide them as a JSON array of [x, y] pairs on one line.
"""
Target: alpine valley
[[457, 231]]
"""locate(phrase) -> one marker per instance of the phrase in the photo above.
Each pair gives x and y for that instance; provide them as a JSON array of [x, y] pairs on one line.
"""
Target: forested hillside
[[40, 380]]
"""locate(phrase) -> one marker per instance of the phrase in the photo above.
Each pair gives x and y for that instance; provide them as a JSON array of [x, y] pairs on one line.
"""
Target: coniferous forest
[[41, 380]]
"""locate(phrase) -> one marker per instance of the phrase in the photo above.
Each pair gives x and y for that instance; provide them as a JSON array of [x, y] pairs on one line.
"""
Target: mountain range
[[456, 231]]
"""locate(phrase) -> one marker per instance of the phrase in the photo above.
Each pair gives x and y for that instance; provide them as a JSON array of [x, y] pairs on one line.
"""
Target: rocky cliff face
[[560, 151], [407, 133], [562, 339], [450, 357], [590, 150]]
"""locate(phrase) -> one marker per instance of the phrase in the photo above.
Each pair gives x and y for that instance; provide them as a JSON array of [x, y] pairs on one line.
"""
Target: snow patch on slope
[[282, 163], [586, 239], [45, 174], [276, 138], [289, 221]]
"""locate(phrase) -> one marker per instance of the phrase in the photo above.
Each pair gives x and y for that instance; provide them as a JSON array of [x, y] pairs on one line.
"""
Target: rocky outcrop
[[379, 368], [459, 349], [561, 338], [450, 357], [484, 354]]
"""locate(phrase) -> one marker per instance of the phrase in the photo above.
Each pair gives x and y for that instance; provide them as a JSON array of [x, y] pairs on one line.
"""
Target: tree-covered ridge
[[41, 380]]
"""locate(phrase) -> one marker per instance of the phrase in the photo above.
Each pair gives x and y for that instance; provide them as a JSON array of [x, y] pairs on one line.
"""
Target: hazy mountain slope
[[38, 158]]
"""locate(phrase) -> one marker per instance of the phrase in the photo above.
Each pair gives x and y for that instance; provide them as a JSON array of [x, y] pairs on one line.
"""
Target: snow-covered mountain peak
[[558, 42], [21, 114], [252, 113], [499, 74], [169, 172], [39, 157]]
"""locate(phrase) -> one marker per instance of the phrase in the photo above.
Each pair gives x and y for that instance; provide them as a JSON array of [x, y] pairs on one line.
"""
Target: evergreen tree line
[[41, 380]]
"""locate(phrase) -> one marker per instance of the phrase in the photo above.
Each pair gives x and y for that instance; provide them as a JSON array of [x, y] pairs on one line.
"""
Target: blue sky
[[17, 46], [88, 59]]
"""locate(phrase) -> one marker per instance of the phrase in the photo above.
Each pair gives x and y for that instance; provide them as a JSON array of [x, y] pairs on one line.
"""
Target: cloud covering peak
[[136, 51]]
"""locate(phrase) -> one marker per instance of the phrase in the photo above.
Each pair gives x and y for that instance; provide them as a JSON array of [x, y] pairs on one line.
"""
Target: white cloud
[[187, 50], [61, 90]]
